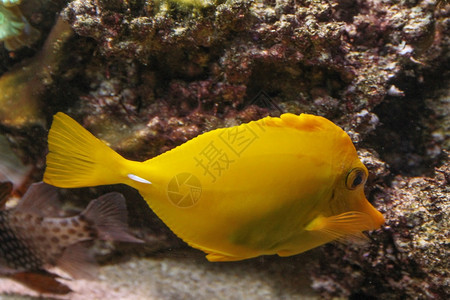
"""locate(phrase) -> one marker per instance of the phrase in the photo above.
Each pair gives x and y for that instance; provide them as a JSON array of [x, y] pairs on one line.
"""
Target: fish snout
[[376, 217]]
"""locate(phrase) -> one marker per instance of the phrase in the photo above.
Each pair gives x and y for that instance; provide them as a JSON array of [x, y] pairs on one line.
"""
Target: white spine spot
[[138, 179]]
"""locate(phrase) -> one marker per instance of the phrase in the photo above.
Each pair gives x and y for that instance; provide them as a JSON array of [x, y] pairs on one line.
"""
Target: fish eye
[[355, 178]]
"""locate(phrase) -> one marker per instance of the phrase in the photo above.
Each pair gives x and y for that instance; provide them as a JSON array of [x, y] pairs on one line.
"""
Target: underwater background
[[146, 76]]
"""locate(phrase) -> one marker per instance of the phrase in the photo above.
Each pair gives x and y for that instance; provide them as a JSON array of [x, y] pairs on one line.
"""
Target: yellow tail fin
[[77, 158]]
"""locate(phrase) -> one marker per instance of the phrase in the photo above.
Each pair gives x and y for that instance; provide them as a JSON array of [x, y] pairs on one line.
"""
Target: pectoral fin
[[347, 225], [5, 192]]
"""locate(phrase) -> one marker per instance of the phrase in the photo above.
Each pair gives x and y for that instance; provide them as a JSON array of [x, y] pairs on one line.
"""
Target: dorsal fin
[[304, 122], [41, 199], [109, 216]]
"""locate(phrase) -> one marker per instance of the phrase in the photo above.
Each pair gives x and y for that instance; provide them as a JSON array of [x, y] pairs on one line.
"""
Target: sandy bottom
[[184, 278]]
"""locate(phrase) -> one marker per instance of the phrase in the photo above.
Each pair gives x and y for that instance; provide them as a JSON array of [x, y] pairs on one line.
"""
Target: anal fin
[[42, 282], [284, 253], [217, 257], [214, 256]]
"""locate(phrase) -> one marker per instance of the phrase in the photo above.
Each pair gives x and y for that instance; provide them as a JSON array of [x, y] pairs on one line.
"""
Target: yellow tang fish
[[273, 186]]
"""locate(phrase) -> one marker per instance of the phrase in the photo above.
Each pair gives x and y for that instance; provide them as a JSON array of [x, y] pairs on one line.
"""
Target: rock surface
[[146, 76]]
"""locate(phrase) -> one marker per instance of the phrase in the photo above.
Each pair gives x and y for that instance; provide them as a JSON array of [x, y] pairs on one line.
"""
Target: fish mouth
[[379, 219], [358, 203], [376, 216]]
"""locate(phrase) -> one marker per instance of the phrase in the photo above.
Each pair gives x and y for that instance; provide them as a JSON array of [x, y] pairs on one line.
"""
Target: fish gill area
[[146, 76]]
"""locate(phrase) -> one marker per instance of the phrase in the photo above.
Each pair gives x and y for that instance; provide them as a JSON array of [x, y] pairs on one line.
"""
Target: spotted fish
[[31, 240]]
